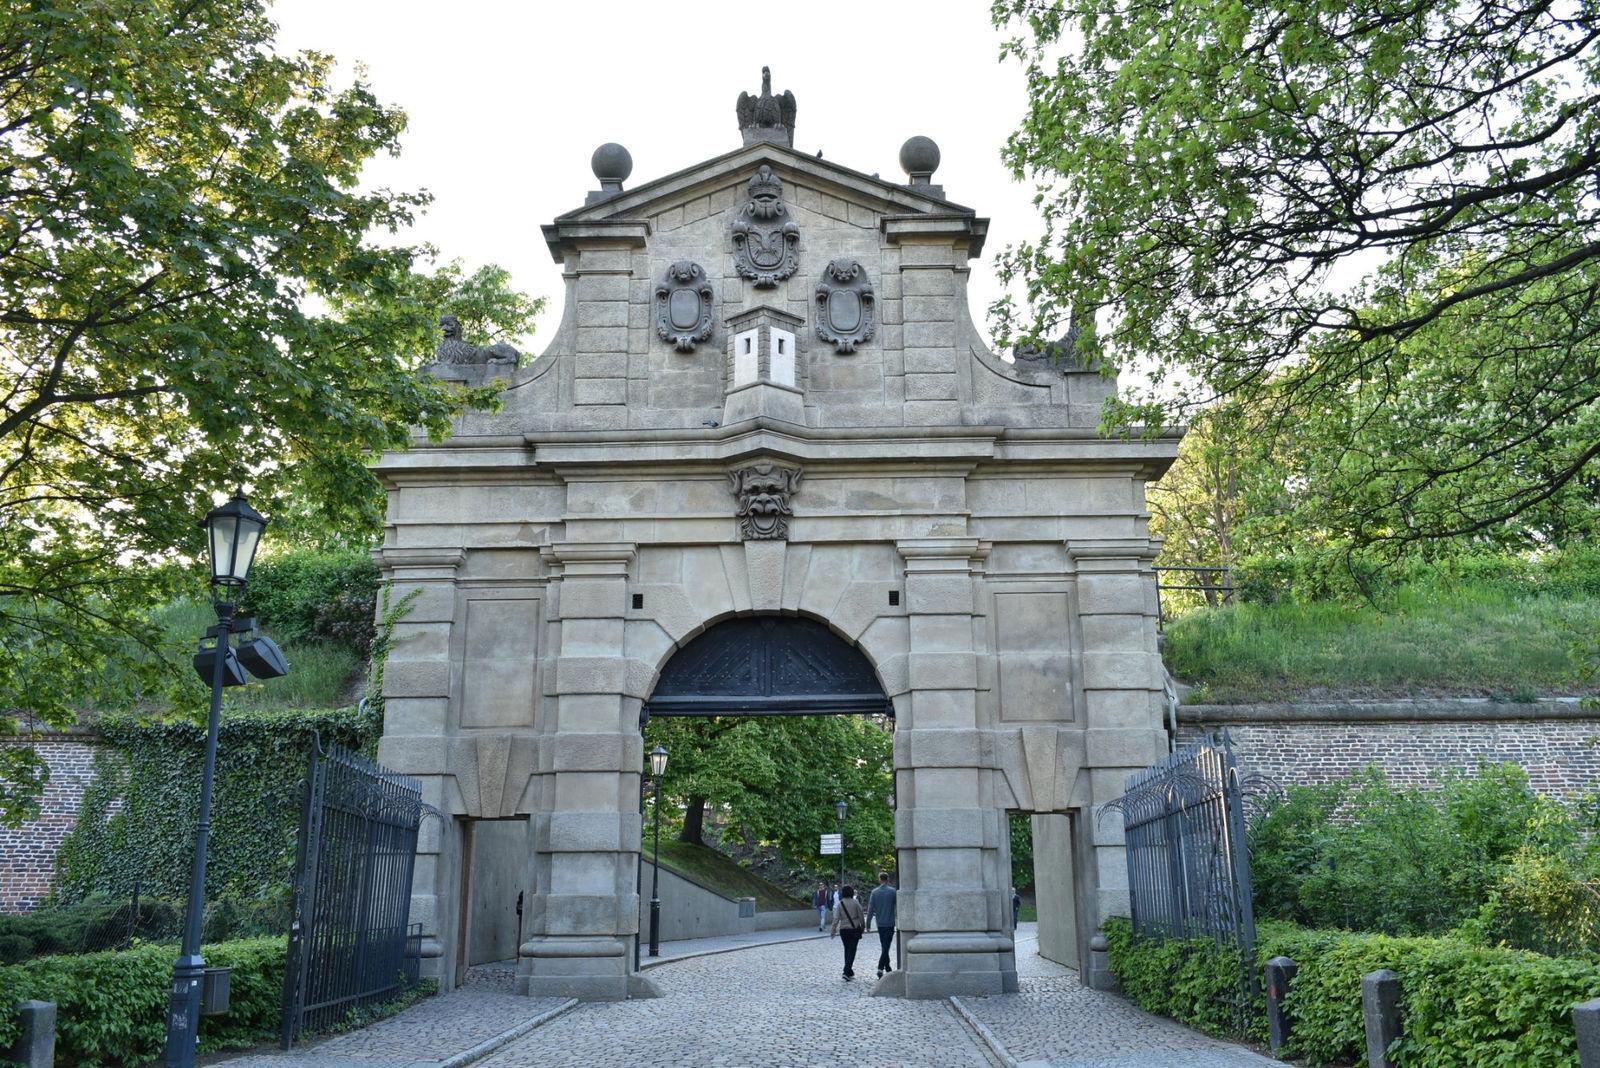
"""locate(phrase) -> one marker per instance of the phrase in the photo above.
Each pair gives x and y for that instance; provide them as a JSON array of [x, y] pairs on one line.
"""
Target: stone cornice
[[787, 162], [564, 236], [988, 449], [950, 226]]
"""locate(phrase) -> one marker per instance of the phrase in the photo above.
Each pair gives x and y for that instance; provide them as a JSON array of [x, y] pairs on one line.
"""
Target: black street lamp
[[841, 808], [233, 532], [658, 770]]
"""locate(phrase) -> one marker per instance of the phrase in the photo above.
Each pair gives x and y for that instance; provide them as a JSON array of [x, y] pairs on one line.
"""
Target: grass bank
[[724, 875], [1485, 639]]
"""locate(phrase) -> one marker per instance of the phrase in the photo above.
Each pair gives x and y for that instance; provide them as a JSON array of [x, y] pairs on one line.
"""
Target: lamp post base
[[655, 927], [183, 1011]]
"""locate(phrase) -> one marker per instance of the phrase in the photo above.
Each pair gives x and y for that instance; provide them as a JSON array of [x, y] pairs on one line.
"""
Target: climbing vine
[[135, 831]]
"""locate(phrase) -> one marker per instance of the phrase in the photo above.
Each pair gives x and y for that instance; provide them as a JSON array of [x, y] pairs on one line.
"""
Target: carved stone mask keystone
[[845, 305], [766, 242], [764, 491], [683, 306]]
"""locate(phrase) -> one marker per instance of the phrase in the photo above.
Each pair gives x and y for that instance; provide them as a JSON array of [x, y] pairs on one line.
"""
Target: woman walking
[[849, 923]]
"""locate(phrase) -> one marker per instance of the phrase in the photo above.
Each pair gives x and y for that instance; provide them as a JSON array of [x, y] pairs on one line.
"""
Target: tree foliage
[[775, 779], [1373, 223], [191, 298]]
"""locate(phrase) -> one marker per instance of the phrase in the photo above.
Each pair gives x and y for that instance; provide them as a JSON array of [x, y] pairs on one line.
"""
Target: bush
[[1366, 856], [1196, 981], [1463, 1005], [316, 595], [111, 1007]]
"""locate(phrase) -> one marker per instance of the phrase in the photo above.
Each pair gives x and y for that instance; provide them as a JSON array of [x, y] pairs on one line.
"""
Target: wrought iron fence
[[349, 943], [1188, 867]]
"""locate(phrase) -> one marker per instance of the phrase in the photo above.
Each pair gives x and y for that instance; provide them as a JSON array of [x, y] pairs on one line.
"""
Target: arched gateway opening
[[731, 676], [767, 665]]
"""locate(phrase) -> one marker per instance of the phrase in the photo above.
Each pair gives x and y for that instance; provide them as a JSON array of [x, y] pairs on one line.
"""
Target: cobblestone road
[[431, 1031], [1057, 1022], [781, 1006]]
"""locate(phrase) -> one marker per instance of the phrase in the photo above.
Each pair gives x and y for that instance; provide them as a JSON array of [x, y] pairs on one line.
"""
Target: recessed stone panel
[[1033, 639], [499, 662]]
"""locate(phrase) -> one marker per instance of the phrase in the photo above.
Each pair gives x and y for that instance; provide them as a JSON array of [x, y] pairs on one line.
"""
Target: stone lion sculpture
[[454, 349]]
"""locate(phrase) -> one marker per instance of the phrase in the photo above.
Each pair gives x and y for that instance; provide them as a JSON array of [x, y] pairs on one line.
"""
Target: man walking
[[820, 901], [880, 908]]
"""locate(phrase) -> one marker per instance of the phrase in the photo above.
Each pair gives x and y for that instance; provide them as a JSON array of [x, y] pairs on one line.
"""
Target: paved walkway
[[1056, 1021], [701, 947], [776, 1004], [436, 1031]]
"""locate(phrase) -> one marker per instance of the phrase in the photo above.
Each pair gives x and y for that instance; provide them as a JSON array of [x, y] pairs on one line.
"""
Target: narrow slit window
[[747, 344], [780, 346]]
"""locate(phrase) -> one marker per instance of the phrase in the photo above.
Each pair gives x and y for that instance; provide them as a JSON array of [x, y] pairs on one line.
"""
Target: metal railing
[[349, 943], [1188, 868], [1214, 584]]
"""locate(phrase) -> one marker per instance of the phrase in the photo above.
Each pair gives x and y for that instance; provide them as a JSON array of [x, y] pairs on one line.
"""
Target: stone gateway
[[965, 551]]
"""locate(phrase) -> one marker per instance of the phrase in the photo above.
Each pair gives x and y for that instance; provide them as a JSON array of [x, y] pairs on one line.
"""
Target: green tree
[[776, 780], [190, 299], [1374, 221]]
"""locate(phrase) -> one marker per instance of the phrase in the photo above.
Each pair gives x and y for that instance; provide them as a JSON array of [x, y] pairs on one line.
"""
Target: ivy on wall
[[135, 832]]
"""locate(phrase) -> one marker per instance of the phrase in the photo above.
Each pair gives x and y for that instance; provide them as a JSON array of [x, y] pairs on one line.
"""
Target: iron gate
[[1188, 866], [349, 944]]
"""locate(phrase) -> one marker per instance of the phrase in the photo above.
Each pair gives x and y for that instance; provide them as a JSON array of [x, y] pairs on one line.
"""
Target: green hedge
[[111, 1007], [135, 831], [315, 595], [1464, 1006]]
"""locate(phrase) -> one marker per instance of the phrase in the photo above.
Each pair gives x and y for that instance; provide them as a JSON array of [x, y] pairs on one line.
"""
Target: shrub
[[1196, 981], [1463, 1005], [111, 1007], [1366, 856], [316, 595]]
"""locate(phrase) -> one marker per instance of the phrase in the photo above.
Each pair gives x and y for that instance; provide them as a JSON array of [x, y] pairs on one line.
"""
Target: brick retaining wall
[[28, 853], [1314, 744]]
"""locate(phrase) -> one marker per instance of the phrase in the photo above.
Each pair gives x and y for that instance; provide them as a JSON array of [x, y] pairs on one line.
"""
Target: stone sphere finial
[[611, 163], [919, 158]]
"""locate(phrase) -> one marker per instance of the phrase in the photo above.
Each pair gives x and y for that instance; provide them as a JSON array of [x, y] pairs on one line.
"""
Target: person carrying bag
[[849, 924]]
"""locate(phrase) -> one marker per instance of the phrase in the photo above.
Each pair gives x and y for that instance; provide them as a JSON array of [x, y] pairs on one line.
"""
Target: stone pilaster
[[599, 261], [948, 830], [934, 250], [586, 826], [416, 710], [1122, 688]]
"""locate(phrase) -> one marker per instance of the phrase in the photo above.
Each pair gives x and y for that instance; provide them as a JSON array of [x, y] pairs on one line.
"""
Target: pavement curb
[[659, 961], [506, 1037], [996, 1047]]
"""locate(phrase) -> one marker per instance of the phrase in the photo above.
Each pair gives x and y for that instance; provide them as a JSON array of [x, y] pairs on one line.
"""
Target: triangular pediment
[[662, 194]]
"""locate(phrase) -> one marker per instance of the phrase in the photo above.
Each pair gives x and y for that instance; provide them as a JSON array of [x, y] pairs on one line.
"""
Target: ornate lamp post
[[233, 533], [658, 770], [841, 808]]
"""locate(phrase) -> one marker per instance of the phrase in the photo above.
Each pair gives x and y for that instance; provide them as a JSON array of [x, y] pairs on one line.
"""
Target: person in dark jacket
[[849, 924], [820, 901], [880, 910]]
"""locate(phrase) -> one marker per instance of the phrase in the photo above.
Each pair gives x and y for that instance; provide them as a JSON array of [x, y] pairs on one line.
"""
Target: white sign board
[[832, 845]]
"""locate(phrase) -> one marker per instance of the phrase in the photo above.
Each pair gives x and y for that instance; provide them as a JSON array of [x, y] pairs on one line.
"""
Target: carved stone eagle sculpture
[[767, 117]]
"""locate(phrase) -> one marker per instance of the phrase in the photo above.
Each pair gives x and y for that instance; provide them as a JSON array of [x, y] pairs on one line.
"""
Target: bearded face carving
[[763, 491]]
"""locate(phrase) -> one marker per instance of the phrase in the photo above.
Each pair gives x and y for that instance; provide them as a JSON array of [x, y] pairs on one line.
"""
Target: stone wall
[[28, 853], [1557, 743]]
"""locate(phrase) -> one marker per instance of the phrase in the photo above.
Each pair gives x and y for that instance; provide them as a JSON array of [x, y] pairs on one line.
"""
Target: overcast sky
[[508, 100]]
